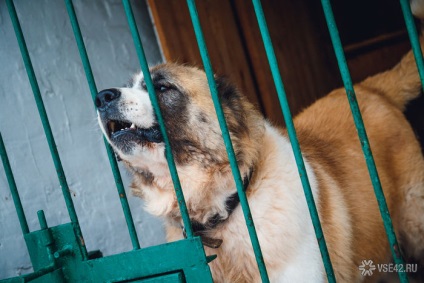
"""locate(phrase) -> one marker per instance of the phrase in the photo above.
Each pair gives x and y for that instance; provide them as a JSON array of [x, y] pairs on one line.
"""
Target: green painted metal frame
[[59, 254], [153, 264]]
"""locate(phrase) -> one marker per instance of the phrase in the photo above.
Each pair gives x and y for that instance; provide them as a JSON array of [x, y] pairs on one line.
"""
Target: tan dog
[[334, 160]]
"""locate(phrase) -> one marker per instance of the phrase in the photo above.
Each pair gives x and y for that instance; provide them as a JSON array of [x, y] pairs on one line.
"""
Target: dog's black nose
[[105, 97]]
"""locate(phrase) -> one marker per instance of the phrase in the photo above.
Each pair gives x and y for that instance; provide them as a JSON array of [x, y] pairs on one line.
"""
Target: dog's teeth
[[132, 126]]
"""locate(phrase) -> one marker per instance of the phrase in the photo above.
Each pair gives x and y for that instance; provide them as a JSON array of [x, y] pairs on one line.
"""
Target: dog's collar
[[231, 203]]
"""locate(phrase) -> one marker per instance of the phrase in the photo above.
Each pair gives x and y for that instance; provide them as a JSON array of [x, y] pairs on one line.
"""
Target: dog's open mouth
[[123, 130]]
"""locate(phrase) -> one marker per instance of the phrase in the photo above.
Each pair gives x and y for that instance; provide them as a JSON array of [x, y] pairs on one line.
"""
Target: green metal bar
[[359, 124], [155, 104], [293, 138], [42, 220], [41, 272], [227, 141], [93, 89], [46, 125], [13, 188], [413, 37]]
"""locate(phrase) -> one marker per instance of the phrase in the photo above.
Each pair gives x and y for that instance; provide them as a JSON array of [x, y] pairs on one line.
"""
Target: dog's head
[[129, 123]]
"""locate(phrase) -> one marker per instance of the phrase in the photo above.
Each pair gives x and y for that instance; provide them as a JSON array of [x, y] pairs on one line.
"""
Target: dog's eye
[[162, 88]]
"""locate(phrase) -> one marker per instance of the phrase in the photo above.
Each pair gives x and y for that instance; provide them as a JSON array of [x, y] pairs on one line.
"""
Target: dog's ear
[[227, 92], [232, 103], [229, 96]]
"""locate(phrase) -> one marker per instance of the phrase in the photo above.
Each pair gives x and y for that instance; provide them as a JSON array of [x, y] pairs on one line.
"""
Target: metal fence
[[58, 254]]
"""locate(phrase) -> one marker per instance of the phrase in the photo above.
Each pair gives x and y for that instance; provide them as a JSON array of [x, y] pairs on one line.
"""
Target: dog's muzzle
[[119, 130]]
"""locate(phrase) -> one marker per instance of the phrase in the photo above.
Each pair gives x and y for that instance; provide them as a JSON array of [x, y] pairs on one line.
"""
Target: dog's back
[[329, 141]]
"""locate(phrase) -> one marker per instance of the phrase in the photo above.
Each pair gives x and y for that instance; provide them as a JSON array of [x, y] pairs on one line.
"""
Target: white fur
[[305, 266], [136, 107], [296, 229]]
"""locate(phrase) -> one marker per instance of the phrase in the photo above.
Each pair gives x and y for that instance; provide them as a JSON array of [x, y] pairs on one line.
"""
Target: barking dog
[[334, 161]]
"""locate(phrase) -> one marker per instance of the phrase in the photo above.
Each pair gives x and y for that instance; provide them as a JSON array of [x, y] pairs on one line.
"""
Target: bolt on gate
[[58, 253]]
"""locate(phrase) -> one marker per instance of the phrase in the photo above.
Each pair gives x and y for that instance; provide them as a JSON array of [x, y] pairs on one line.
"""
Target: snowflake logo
[[367, 267]]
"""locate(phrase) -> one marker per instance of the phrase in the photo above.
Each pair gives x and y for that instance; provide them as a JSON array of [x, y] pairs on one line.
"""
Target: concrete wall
[[67, 99]]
